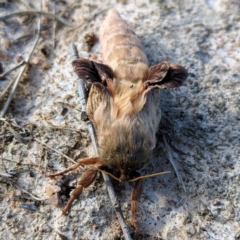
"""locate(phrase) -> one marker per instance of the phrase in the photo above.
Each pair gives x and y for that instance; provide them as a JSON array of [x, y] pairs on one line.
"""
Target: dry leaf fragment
[[54, 200], [51, 189], [19, 58], [45, 51], [84, 142], [69, 96], [35, 60], [5, 43], [46, 66], [3, 56], [89, 41]]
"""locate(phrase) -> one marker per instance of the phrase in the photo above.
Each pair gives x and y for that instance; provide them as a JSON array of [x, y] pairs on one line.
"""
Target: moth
[[124, 106]]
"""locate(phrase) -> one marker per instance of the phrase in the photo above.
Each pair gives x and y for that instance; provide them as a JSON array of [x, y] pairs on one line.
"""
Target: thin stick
[[15, 84], [54, 24], [25, 191], [32, 12], [16, 134], [3, 174], [12, 91], [3, 75], [169, 153], [68, 8], [7, 88], [34, 197], [52, 127], [20, 163], [81, 88], [62, 154], [107, 180]]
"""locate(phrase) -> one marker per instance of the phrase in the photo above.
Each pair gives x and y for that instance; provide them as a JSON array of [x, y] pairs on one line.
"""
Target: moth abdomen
[[121, 48]]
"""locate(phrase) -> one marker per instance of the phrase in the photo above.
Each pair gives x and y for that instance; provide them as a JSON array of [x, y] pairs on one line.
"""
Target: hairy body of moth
[[124, 106]]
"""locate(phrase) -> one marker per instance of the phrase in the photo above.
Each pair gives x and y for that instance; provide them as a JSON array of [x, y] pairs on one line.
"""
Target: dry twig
[[50, 15], [3, 174], [55, 127], [3, 75], [7, 89], [20, 163], [25, 191], [15, 84], [62, 154], [54, 25]]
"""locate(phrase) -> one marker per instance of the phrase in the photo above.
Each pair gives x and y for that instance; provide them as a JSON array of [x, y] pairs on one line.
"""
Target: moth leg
[[85, 161], [85, 181], [136, 194]]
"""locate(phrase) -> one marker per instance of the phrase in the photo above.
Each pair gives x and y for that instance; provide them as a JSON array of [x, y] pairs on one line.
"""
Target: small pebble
[[25, 19], [64, 228], [190, 229], [9, 215], [28, 206], [51, 189], [59, 118], [45, 228], [215, 80], [69, 96], [5, 43], [46, 66], [54, 200], [216, 202], [84, 142], [15, 230], [35, 60], [19, 58], [75, 219]]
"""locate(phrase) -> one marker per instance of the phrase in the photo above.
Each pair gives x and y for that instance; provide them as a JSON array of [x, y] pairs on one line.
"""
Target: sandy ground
[[200, 122]]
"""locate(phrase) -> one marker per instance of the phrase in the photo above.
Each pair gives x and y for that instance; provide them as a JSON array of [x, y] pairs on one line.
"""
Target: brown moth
[[124, 106]]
